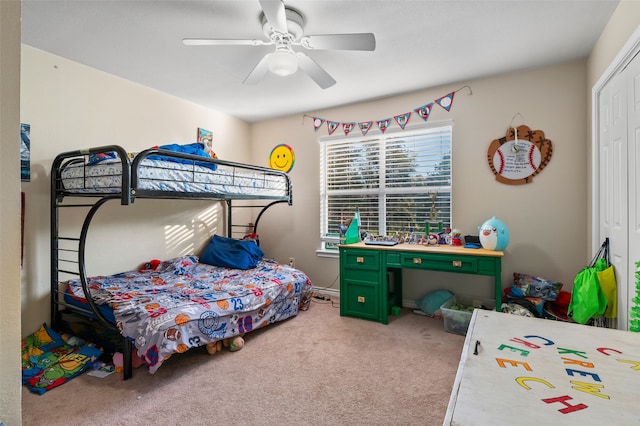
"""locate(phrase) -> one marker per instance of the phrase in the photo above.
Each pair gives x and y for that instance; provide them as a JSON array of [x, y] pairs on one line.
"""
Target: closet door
[[619, 179], [633, 117], [613, 183]]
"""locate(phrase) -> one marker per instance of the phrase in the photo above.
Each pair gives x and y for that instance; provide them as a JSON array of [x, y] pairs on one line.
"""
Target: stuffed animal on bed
[[233, 343]]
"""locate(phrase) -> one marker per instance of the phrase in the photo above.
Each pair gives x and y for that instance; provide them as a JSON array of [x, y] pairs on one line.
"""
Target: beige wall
[[547, 219], [70, 106], [624, 21], [10, 382]]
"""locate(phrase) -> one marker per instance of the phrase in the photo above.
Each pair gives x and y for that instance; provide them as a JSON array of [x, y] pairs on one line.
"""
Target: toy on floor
[[118, 361], [233, 343]]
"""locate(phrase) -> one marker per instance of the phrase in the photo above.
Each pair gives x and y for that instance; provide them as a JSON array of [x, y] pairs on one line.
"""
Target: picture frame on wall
[[205, 137], [25, 152]]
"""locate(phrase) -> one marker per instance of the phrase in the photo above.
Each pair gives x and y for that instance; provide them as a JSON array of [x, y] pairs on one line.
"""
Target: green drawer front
[[362, 300], [363, 259], [439, 262], [362, 275], [393, 258]]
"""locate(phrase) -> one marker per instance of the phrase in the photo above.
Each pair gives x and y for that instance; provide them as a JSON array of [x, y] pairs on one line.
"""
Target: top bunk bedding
[[161, 172]]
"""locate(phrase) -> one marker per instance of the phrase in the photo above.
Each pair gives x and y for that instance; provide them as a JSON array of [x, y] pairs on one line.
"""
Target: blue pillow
[[431, 303], [102, 156], [193, 148], [231, 253]]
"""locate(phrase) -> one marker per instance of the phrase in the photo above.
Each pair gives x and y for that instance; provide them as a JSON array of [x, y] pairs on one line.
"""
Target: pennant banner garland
[[446, 101], [365, 126], [383, 124], [332, 126], [317, 123], [402, 119], [347, 127], [424, 111]]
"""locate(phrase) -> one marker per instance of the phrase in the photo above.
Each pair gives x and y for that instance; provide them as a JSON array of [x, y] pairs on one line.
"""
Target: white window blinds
[[399, 181]]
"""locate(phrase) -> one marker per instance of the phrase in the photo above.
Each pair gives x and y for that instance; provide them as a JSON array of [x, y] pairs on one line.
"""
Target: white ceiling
[[419, 44]]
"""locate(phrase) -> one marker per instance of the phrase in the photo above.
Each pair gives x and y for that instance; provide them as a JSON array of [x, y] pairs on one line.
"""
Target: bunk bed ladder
[[68, 258]]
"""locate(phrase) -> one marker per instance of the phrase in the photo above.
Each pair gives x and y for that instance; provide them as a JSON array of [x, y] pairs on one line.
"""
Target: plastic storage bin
[[456, 321]]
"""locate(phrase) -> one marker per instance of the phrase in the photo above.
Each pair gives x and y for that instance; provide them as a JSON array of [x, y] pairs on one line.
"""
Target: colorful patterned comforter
[[183, 304]]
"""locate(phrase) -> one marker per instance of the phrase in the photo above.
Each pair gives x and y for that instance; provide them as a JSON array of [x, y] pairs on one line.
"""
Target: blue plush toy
[[494, 234]]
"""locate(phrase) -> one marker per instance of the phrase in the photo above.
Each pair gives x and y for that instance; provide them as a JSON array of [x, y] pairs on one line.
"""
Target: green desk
[[371, 275]]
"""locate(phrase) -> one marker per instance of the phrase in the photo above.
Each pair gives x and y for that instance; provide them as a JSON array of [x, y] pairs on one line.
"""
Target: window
[[400, 182]]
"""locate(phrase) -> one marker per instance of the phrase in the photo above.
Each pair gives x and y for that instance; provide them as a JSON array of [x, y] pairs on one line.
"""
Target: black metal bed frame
[[127, 192]]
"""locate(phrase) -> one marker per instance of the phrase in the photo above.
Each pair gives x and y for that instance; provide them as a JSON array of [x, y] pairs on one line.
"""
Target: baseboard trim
[[336, 293]]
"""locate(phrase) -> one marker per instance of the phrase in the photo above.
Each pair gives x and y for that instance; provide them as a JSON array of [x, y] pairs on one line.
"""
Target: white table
[[530, 371]]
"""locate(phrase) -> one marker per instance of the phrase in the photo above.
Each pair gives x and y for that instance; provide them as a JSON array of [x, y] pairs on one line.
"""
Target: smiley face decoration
[[516, 158], [282, 158]]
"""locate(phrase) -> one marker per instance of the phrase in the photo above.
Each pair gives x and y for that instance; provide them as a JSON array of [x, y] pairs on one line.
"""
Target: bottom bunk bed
[[171, 306]]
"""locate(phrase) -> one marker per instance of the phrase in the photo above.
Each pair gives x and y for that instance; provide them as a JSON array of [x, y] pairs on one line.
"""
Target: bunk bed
[[205, 302]]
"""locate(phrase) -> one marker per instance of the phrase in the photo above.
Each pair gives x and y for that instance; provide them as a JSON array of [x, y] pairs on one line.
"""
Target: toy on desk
[[456, 238], [383, 240], [432, 239], [494, 234], [444, 237], [351, 229], [472, 241]]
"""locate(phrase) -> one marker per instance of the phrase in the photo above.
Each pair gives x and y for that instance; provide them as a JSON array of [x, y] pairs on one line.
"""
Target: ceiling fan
[[284, 27]]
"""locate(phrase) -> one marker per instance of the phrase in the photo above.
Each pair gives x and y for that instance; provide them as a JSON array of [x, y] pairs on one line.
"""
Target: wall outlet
[[292, 262]]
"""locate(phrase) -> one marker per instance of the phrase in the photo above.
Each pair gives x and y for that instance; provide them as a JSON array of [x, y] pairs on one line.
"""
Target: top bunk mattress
[[170, 176]]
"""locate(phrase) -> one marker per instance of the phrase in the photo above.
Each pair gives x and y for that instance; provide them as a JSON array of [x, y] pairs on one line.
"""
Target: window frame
[[330, 240]]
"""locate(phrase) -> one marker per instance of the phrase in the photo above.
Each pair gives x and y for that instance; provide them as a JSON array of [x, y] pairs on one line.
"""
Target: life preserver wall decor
[[516, 158]]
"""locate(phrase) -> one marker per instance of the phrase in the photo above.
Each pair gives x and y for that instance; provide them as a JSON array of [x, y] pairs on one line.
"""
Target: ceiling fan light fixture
[[283, 62]]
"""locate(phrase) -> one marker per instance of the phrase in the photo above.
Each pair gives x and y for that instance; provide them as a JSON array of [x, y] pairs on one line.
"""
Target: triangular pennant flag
[[347, 127], [424, 111], [332, 126], [402, 119], [317, 123], [365, 126], [383, 124], [446, 101]]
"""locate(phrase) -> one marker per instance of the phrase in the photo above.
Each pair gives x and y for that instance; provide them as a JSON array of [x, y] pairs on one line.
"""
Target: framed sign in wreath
[[520, 155]]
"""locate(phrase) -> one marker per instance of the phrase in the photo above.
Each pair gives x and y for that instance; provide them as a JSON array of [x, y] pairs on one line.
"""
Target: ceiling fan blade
[[315, 71], [221, 42], [275, 14], [358, 41], [258, 72]]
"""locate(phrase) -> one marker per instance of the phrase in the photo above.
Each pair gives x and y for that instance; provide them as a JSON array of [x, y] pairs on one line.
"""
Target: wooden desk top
[[437, 249]]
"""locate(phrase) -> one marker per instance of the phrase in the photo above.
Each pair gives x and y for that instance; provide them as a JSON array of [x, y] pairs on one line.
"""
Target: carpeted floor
[[317, 368]]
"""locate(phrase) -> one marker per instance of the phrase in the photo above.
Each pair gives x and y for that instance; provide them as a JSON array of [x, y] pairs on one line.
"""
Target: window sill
[[328, 253]]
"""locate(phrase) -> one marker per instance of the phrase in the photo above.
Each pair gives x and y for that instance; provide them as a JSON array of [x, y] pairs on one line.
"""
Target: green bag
[[587, 298], [593, 287]]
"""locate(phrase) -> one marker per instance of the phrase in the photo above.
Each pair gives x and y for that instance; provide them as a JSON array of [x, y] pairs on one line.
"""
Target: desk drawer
[[366, 275], [362, 259], [361, 300], [439, 262]]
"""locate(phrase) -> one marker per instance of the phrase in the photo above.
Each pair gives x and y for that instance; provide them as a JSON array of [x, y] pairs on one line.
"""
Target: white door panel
[[616, 179], [633, 72], [613, 194]]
